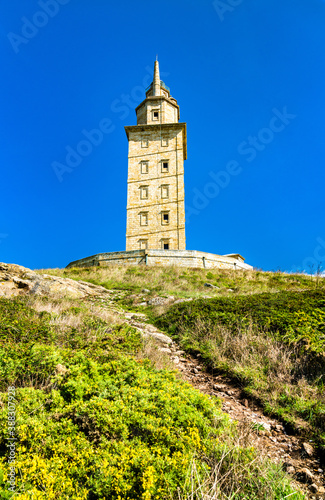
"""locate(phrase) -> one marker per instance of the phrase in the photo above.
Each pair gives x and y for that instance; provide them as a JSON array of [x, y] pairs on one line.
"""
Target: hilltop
[[130, 380]]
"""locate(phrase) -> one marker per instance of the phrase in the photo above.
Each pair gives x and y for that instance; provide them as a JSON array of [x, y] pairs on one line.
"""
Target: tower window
[[155, 114], [165, 244], [165, 166], [143, 218], [144, 192], [165, 218], [143, 244], [165, 191], [164, 141], [144, 143], [144, 167]]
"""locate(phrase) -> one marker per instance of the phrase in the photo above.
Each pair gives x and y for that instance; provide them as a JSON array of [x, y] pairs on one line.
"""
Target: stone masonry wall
[[154, 190], [179, 258]]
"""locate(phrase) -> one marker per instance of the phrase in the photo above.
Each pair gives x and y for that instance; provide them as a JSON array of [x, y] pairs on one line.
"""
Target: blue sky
[[249, 79]]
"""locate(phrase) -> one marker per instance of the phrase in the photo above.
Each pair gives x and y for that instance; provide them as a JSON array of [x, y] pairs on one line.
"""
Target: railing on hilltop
[[162, 84]]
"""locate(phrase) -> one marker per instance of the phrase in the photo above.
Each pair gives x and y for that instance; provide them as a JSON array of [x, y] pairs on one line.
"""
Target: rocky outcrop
[[18, 280]]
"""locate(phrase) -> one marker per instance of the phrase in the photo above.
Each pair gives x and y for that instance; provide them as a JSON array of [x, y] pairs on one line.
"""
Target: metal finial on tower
[[156, 79], [156, 57]]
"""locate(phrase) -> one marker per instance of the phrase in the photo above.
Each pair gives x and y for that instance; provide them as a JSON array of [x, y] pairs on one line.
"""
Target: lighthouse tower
[[157, 150], [155, 230]]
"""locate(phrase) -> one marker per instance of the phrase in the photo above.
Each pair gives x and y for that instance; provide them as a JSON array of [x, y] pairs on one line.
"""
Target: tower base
[[178, 258]]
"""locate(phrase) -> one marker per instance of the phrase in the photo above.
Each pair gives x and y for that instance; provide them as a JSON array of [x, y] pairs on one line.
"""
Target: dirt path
[[268, 434]]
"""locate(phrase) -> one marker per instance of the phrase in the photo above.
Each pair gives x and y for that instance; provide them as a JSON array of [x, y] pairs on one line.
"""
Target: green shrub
[[295, 317], [122, 430]]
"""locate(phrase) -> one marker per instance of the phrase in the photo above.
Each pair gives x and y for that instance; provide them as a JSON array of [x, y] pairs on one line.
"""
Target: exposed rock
[[313, 488], [209, 285], [145, 290], [158, 336], [18, 280], [308, 449], [158, 301], [178, 301], [165, 349], [218, 387], [305, 475], [21, 283]]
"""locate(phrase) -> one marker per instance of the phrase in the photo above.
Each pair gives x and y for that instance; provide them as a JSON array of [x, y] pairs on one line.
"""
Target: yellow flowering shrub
[[108, 426]]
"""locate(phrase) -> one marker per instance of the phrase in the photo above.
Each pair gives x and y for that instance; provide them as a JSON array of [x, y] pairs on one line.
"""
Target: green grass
[[97, 421]]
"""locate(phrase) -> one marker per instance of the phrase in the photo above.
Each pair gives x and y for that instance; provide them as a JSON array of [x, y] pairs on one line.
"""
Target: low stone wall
[[179, 258]]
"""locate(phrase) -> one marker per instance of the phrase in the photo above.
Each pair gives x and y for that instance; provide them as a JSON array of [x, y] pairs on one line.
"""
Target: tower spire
[[156, 78]]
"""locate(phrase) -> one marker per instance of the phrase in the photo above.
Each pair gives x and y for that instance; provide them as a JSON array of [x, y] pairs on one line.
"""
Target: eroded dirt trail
[[268, 435]]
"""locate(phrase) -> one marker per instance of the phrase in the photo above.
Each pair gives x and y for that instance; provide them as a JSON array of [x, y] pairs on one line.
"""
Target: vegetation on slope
[[264, 329], [95, 420], [273, 344], [182, 282]]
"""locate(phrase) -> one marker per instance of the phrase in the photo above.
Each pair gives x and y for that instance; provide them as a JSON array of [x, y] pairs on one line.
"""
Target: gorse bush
[[113, 430], [124, 431], [96, 422]]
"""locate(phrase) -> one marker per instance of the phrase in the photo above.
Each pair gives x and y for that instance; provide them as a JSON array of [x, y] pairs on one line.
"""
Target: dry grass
[[150, 350], [62, 315], [62, 319], [187, 282], [271, 371], [249, 349], [246, 347], [234, 471]]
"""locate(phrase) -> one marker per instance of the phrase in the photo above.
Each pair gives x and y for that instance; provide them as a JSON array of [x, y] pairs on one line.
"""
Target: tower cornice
[[160, 126]]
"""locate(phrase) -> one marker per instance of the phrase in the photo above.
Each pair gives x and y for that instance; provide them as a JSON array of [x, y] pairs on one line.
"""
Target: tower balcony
[[162, 84]]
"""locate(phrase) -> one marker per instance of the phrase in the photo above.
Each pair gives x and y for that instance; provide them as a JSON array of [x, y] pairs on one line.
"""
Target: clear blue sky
[[249, 78]]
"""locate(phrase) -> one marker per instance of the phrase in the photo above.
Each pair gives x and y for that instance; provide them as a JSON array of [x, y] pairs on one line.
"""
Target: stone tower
[[157, 150]]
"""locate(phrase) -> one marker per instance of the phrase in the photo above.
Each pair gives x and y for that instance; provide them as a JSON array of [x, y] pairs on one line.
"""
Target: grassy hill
[[272, 344], [183, 282], [97, 419]]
